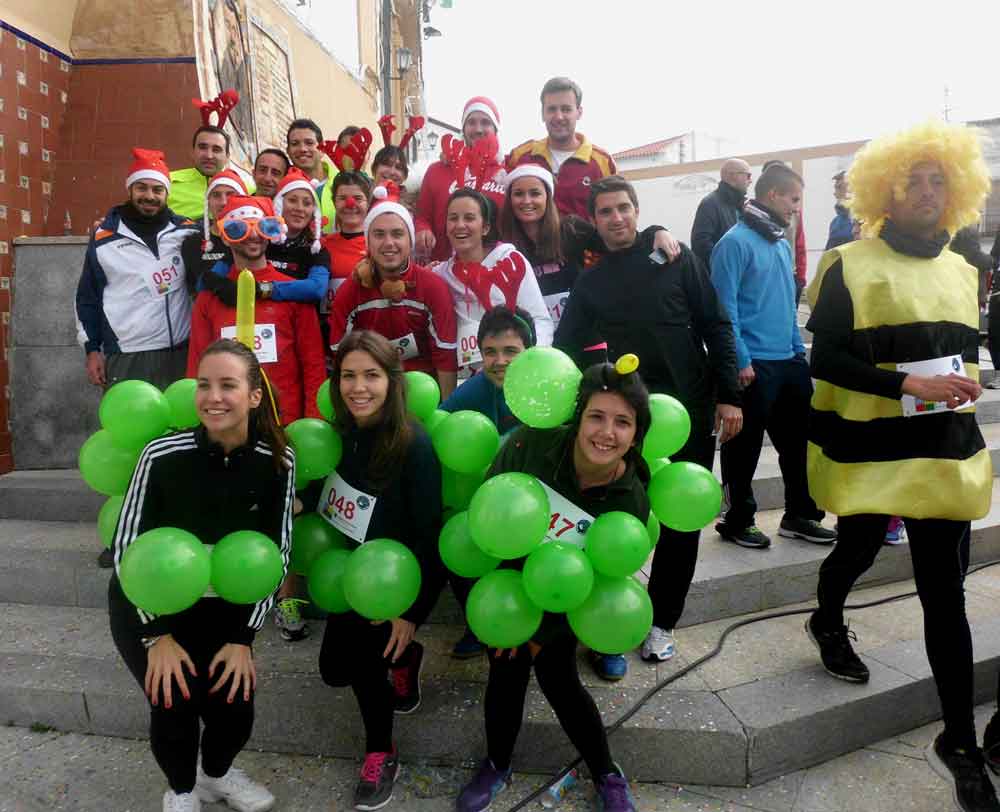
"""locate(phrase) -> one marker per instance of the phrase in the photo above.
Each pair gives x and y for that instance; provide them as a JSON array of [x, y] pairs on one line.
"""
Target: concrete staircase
[[763, 708]]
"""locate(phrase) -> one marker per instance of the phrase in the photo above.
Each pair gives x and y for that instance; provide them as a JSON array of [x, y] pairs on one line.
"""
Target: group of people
[[540, 248]]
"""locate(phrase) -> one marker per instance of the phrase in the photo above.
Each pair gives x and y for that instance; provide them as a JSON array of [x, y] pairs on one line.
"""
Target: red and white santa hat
[[385, 200], [148, 164], [532, 171], [293, 180], [481, 104], [227, 177]]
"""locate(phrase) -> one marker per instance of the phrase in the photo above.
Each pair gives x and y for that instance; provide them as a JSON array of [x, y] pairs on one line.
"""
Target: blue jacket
[[841, 227], [478, 394], [755, 280]]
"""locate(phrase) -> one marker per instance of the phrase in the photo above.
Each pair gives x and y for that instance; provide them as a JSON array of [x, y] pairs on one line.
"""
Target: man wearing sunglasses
[[719, 210], [287, 339]]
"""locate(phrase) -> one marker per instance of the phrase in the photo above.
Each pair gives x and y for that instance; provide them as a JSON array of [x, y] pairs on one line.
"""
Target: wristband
[[149, 642]]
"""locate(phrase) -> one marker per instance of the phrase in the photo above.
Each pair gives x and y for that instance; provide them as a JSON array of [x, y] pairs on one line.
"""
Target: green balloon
[[657, 464], [134, 412], [246, 567], [312, 536], [466, 441], [669, 429], [422, 394], [107, 519], [499, 611], [460, 553], [105, 466], [323, 401], [180, 398], [685, 496], [326, 581], [558, 576], [509, 515], [617, 543], [165, 571], [615, 618], [434, 420], [382, 579], [653, 529], [318, 448], [540, 387], [458, 489]]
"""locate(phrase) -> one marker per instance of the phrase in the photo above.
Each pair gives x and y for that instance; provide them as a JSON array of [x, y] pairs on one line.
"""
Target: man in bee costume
[[893, 430]]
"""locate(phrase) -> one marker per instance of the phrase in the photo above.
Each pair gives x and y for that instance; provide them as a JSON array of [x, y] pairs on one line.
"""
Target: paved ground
[[52, 772]]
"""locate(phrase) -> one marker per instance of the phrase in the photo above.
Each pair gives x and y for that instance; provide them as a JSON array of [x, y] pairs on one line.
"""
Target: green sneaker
[[288, 618]]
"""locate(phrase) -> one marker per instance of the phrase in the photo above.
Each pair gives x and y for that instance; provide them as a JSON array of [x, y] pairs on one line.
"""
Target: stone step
[[53, 564], [763, 708]]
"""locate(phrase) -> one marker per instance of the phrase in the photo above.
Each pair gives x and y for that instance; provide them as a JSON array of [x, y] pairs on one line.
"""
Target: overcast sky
[[766, 75]]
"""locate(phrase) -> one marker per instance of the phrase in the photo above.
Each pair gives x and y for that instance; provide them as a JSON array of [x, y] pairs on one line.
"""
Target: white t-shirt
[[560, 155]]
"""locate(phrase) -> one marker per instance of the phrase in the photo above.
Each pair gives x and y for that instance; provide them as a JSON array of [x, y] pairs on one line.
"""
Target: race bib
[[406, 346], [914, 406], [567, 522], [556, 303], [265, 341], [468, 344], [346, 508], [165, 279]]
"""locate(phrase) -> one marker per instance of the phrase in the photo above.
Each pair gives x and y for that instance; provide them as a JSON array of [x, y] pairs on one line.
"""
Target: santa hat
[[240, 207], [481, 104], [385, 200], [532, 171], [297, 179], [148, 164], [227, 177]]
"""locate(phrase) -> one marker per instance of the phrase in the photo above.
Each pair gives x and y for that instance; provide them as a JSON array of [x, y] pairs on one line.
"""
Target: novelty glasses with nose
[[238, 229]]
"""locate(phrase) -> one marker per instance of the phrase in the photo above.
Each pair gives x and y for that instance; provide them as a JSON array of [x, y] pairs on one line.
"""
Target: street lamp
[[432, 141], [404, 61]]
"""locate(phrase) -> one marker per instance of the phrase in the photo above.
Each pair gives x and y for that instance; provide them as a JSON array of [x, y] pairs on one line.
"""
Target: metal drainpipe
[[386, 57]]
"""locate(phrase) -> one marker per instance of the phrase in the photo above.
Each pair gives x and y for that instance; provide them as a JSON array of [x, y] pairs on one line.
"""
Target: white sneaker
[[236, 789], [659, 645], [183, 802], [994, 383]]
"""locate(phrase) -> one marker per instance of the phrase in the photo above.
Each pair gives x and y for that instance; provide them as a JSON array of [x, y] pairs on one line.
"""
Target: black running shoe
[[751, 537], [836, 652], [378, 774], [406, 679], [965, 770], [792, 527]]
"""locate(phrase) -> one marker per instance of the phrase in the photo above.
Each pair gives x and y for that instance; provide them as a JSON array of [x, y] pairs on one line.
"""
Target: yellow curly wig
[[882, 167]]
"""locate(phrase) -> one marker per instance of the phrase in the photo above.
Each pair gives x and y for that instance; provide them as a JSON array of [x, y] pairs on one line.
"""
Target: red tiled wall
[[112, 108], [34, 84]]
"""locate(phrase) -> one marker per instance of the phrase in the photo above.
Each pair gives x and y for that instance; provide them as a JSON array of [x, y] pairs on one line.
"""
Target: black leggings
[[939, 550], [174, 733], [352, 655], [555, 669]]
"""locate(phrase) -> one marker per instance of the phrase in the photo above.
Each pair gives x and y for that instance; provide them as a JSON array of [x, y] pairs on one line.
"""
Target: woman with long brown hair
[[233, 472], [388, 465]]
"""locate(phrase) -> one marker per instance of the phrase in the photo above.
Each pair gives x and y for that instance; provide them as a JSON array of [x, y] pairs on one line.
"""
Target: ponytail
[[265, 415]]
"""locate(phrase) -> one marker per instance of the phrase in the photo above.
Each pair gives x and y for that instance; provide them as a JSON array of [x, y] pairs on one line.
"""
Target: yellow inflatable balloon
[[245, 296]]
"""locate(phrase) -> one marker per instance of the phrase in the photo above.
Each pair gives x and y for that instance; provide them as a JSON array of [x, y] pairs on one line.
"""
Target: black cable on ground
[[632, 711]]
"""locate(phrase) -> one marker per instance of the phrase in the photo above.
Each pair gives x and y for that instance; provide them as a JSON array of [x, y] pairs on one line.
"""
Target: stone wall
[[53, 405]]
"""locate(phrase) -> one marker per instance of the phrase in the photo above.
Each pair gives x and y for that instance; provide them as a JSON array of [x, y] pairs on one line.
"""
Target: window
[[45, 122], [43, 55], [22, 147], [24, 182], [46, 155], [22, 113], [43, 88], [25, 216], [22, 79]]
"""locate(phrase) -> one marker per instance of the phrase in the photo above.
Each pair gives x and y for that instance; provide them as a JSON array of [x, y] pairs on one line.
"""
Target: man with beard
[[132, 305]]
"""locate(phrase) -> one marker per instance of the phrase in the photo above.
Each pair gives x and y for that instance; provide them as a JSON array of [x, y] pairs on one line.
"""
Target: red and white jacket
[[287, 342], [421, 325]]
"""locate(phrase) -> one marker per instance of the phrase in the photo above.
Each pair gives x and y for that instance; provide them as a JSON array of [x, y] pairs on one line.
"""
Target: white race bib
[[913, 406], [468, 344], [556, 303], [165, 279], [567, 522], [335, 282], [406, 346], [265, 341], [346, 508]]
